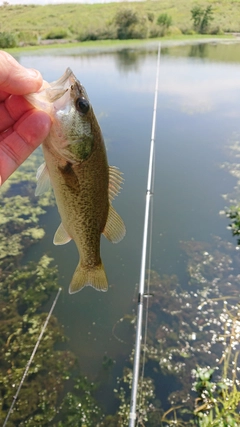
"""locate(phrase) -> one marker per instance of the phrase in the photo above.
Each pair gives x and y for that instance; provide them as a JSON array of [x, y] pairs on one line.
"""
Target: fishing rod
[[141, 294], [31, 358]]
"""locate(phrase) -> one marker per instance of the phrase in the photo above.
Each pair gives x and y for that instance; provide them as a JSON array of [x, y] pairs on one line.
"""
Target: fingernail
[[33, 73]]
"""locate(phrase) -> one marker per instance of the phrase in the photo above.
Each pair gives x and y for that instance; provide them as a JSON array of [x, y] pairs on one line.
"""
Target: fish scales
[[83, 183], [81, 192]]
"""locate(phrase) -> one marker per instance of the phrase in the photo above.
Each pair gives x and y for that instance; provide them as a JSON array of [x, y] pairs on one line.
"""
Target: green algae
[[192, 323], [20, 210], [24, 291]]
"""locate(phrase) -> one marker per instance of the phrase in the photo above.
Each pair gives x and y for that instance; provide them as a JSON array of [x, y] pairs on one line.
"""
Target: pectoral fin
[[61, 236], [114, 229], [43, 180]]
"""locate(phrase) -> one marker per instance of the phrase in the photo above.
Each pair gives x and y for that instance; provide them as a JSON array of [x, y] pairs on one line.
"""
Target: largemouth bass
[[84, 185]]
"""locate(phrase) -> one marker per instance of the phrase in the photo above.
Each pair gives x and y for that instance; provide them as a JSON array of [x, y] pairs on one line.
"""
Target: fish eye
[[82, 105]]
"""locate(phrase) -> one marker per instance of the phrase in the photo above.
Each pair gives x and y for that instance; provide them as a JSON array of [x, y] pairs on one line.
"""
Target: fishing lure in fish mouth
[[84, 184]]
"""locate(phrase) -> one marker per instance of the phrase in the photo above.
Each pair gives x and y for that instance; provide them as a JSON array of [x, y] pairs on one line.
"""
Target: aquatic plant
[[232, 211], [79, 408], [218, 401], [148, 407], [24, 289], [187, 328], [234, 214], [218, 398], [23, 292], [20, 211]]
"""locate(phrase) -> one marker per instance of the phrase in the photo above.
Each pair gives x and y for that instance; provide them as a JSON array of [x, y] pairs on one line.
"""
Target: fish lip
[[68, 75], [68, 81]]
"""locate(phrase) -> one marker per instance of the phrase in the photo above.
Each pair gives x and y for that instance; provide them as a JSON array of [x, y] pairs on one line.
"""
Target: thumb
[[16, 79]]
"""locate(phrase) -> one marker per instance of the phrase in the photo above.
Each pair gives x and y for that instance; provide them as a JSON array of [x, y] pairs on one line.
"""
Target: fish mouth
[[58, 88], [67, 82], [58, 93], [67, 78]]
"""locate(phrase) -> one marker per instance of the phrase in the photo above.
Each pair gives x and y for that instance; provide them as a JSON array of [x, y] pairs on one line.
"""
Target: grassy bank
[[33, 23], [107, 45]]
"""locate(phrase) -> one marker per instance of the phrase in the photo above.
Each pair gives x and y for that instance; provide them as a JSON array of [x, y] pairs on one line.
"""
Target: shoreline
[[113, 45]]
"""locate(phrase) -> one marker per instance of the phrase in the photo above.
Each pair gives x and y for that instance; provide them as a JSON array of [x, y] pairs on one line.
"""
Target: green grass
[[37, 21], [115, 44]]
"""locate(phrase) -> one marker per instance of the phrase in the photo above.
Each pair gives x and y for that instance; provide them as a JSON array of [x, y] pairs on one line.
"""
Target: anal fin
[[61, 236], [114, 229]]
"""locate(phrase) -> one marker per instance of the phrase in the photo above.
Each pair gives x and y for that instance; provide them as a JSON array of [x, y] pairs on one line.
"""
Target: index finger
[[16, 79]]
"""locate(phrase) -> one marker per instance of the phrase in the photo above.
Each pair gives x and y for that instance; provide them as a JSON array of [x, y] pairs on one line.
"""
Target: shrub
[[130, 25], [28, 37], [102, 33], [164, 20], [155, 31], [56, 33], [7, 40], [173, 31], [217, 31], [189, 32], [150, 16], [139, 31], [126, 17]]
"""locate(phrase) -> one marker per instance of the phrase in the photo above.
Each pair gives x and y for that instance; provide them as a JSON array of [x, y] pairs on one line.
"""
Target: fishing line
[[141, 294], [31, 358]]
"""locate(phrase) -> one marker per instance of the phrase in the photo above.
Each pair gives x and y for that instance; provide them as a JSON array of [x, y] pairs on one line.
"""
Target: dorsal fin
[[115, 181]]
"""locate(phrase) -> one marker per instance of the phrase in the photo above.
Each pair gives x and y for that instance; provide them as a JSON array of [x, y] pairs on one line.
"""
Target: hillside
[[31, 23]]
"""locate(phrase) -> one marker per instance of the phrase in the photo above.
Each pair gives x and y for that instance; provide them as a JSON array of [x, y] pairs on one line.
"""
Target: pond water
[[198, 115]]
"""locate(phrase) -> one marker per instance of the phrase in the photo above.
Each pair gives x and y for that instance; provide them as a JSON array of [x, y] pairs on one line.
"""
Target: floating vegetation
[[148, 410], [20, 211], [233, 199], [80, 409], [218, 400], [23, 291], [192, 324]]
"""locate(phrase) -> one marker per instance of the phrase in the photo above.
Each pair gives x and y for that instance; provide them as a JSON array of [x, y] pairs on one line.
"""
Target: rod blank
[[136, 363]]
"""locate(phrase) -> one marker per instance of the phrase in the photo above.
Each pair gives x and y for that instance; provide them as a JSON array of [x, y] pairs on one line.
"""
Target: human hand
[[22, 127]]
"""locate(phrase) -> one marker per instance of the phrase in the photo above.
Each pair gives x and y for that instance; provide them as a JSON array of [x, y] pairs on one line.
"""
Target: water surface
[[198, 114]]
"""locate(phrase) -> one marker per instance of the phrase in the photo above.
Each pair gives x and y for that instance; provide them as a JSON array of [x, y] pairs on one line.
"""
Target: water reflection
[[128, 60], [132, 59], [227, 52], [199, 50]]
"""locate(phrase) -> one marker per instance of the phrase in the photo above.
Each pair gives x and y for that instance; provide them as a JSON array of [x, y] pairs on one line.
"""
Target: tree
[[201, 18]]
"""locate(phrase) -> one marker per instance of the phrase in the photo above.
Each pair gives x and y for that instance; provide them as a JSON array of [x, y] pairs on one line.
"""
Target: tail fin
[[95, 277]]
